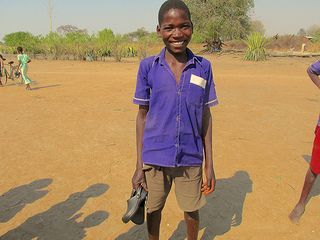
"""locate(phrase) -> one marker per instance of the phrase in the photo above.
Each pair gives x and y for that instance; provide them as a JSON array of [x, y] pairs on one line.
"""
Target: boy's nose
[[177, 32]]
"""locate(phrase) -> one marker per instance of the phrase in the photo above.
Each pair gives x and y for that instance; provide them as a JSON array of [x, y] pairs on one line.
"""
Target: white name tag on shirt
[[198, 81]]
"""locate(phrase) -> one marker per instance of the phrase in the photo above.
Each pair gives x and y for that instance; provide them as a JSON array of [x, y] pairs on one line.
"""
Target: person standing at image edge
[[314, 168]]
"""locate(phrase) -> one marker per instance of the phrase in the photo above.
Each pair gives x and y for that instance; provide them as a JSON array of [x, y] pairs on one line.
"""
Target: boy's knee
[[311, 175], [154, 212], [193, 215]]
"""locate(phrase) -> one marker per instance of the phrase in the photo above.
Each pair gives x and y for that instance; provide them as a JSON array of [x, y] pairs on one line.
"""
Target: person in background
[[23, 59]]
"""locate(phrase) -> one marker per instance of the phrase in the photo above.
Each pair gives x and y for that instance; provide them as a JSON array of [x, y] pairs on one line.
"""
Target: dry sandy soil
[[68, 152]]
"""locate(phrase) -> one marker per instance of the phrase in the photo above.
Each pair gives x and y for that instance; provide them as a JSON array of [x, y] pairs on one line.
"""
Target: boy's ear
[[159, 31]]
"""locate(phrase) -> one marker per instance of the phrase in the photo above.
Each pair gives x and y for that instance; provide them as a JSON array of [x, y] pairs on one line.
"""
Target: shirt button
[[177, 118], [179, 92]]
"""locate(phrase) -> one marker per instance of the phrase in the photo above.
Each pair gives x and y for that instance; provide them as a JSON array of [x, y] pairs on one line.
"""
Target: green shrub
[[256, 50]]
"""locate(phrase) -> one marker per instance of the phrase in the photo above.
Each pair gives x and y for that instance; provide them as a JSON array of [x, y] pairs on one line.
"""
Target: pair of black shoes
[[135, 206]]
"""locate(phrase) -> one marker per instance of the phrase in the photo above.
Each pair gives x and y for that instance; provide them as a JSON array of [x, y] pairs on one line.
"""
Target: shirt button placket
[[178, 124]]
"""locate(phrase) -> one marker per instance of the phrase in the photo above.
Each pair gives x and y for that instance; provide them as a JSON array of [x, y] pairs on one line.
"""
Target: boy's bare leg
[[299, 209], [192, 223], [153, 223]]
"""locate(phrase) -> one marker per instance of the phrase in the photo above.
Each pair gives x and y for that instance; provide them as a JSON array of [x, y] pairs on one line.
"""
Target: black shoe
[[135, 210]]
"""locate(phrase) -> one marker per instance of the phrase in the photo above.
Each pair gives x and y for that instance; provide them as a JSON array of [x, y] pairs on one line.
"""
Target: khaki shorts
[[187, 180]]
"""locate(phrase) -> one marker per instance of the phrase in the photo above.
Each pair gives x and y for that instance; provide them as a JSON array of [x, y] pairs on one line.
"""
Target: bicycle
[[11, 74], [3, 73]]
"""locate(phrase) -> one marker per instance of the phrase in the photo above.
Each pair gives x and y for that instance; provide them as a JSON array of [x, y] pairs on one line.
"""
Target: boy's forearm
[[140, 126], [207, 137], [210, 181]]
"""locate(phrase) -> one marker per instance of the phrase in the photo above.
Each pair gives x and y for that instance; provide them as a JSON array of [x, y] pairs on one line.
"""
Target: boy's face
[[175, 30]]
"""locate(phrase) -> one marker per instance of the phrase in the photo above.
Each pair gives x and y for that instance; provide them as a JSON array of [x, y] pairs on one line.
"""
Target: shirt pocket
[[195, 94]]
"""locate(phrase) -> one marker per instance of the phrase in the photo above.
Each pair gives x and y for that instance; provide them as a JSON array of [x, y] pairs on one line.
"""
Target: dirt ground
[[68, 152]]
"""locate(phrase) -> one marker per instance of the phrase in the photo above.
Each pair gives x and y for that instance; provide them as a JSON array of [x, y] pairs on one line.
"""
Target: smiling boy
[[174, 91]]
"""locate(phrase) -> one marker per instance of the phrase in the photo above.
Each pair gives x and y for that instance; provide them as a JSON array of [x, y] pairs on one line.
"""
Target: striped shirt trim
[[214, 101], [145, 100]]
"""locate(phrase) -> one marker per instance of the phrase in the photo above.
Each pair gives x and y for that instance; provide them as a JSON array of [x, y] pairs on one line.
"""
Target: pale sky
[[124, 16]]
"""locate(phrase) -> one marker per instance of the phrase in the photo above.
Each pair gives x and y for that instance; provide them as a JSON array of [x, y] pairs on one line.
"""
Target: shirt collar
[[192, 57]]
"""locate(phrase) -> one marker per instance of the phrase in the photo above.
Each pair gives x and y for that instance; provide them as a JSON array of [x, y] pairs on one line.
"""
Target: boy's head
[[172, 4], [175, 26], [20, 49]]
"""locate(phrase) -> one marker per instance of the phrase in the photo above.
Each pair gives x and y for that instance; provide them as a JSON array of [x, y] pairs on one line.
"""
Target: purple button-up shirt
[[315, 68], [172, 135]]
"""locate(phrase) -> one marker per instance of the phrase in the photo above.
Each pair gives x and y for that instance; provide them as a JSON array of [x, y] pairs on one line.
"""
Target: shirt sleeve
[[210, 95], [143, 90], [315, 67]]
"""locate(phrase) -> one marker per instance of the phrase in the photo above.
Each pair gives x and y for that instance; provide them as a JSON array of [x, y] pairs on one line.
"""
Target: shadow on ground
[[37, 88], [223, 210], [59, 222], [33, 88], [16, 199]]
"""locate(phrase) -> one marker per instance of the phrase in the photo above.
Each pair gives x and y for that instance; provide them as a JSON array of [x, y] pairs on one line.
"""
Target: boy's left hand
[[209, 185], [208, 188]]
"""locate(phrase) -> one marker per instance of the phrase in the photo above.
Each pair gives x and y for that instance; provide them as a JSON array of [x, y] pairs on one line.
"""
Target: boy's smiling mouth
[[178, 43]]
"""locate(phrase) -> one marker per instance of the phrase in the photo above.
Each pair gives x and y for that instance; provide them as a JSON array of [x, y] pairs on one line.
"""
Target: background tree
[[65, 29], [104, 41], [314, 31], [137, 35], [26, 40], [77, 44], [217, 20], [257, 27], [50, 7], [54, 46], [301, 32]]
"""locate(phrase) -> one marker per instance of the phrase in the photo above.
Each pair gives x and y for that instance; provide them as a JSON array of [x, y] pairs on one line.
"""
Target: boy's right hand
[[139, 178]]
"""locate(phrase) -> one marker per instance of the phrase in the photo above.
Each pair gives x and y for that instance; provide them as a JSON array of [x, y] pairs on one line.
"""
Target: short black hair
[[20, 49], [172, 4]]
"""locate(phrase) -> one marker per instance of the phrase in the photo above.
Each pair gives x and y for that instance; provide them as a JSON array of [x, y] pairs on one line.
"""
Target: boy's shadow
[[16, 199], [316, 187], [136, 232], [223, 209], [59, 222]]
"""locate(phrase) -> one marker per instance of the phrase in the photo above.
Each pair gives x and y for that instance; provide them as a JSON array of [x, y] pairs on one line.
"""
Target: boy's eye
[[185, 26]]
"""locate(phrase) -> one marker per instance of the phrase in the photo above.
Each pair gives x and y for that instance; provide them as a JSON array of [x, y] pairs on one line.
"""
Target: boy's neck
[[173, 57]]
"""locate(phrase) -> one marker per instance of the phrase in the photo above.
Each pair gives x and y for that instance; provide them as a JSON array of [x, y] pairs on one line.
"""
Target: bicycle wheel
[[4, 75], [16, 78]]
